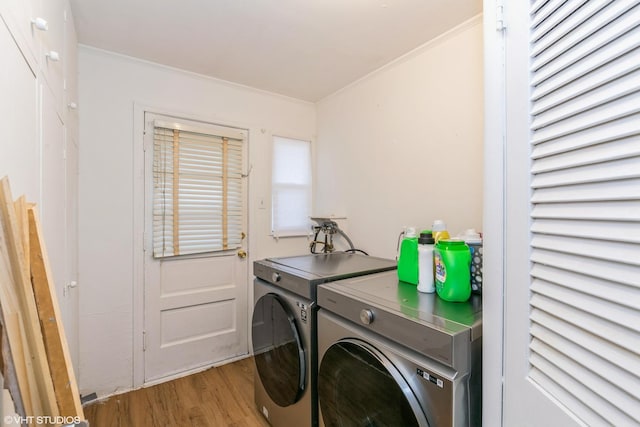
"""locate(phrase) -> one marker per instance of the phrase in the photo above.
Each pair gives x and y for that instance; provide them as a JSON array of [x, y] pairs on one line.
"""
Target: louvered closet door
[[572, 319]]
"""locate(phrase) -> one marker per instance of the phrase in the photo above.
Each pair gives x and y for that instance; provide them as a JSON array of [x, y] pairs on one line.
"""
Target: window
[[290, 187], [197, 188]]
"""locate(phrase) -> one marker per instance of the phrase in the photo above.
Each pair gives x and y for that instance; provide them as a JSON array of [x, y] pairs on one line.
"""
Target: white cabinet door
[[71, 301], [571, 223], [70, 62], [19, 146], [59, 217], [52, 52], [525, 403], [18, 15], [38, 27], [36, 153], [53, 205]]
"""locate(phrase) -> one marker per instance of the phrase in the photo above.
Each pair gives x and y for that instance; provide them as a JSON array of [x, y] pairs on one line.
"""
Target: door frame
[[139, 235], [494, 213]]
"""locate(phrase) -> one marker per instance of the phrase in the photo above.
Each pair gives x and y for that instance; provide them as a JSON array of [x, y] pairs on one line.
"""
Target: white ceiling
[[306, 49]]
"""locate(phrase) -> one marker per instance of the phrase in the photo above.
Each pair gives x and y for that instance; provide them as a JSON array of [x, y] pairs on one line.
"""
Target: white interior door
[[195, 305], [572, 307]]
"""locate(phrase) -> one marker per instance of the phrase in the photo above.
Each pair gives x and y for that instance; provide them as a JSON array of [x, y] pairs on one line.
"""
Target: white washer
[[391, 356]]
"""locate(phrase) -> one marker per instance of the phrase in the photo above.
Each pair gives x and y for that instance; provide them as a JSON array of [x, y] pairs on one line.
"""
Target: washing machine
[[391, 356], [284, 333]]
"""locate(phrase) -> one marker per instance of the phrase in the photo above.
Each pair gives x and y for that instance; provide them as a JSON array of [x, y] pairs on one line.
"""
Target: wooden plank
[[176, 192], [23, 227], [14, 350], [22, 352], [9, 371], [26, 303], [55, 340], [225, 193]]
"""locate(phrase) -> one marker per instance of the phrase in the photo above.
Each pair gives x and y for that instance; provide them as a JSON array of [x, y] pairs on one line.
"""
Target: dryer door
[[359, 386], [279, 353]]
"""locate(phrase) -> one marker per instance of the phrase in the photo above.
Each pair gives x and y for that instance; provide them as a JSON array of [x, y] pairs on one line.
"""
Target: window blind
[[585, 232], [198, 191], [291, 187]]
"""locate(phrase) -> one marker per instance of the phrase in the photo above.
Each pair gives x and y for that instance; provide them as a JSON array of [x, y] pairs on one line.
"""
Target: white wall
[[37, 148], [110, 85], [404, 145]]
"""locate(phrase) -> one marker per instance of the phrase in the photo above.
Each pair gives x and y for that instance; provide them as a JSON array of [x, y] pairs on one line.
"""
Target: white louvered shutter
[[197, 193], [585, 241]]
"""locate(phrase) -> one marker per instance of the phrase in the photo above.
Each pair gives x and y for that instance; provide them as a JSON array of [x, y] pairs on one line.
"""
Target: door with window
[[572, 214], [196, 271]]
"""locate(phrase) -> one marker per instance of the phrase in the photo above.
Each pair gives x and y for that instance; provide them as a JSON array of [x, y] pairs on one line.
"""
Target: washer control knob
[[366, 316], [276, 277]]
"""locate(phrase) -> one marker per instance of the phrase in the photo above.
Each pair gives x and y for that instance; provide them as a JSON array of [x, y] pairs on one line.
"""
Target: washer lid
[[302, 274], [335, 265]]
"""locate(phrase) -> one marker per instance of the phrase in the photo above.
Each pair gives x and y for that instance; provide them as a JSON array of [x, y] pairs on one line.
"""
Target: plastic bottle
[[439, 229], [408, 257], [452, 260], [473, 239], [425, 263]]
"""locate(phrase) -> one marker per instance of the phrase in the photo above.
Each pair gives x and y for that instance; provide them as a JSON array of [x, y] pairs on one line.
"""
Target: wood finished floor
[[217, 397]]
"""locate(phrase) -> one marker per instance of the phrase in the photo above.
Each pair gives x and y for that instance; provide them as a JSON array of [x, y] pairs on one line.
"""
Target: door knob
[[40, 23], [242, 253]]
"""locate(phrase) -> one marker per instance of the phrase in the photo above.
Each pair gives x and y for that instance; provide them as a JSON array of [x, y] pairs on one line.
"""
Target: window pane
[[292, 207], [291, 186], [291, 161], [201, 210]]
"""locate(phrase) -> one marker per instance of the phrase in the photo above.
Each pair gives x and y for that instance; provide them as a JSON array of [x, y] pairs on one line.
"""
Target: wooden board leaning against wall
[[35, 358]]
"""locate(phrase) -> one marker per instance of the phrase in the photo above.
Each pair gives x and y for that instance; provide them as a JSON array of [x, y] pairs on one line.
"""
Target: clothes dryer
[[284, 334], [391, 356]]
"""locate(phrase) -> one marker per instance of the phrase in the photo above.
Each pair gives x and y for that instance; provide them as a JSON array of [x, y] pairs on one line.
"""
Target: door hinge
[[144, 241], [500, 24], [144, 340]]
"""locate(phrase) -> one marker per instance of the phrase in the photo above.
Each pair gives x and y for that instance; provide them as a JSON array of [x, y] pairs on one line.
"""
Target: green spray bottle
[[408, 257]]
